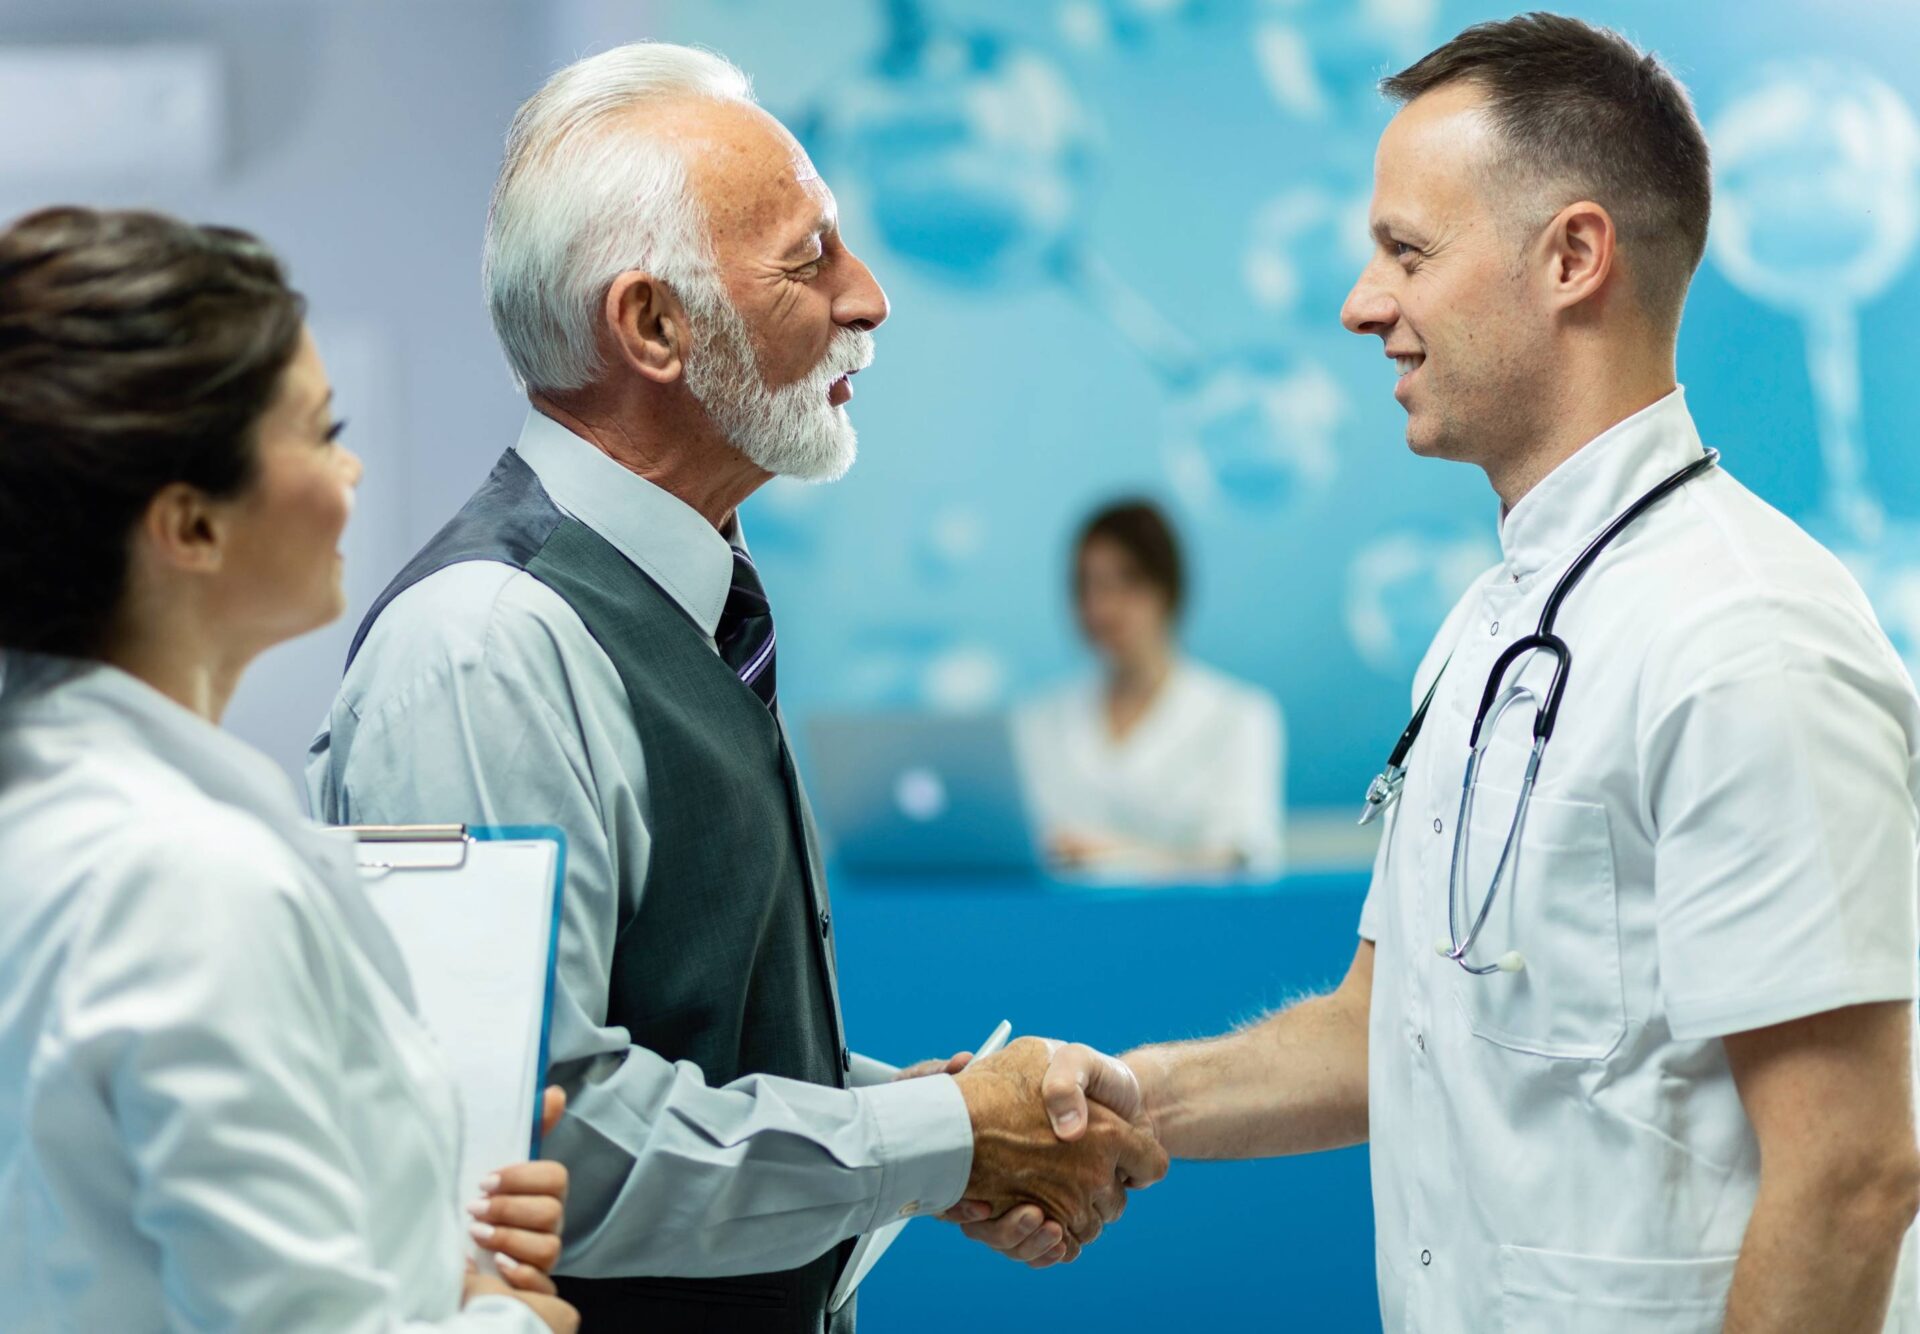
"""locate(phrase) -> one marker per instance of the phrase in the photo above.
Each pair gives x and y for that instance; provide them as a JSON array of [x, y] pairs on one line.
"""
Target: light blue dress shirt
[[480, 696]]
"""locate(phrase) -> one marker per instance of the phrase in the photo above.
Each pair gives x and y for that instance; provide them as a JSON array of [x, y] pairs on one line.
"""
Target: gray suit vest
[[729, 961]]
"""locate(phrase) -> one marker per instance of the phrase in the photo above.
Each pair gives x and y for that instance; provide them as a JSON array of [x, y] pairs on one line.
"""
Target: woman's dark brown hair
[[1140, 529], [136, 351]]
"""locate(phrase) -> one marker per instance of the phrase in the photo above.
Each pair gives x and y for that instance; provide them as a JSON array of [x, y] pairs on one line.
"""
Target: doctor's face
[[280, 572], [1444, 290]]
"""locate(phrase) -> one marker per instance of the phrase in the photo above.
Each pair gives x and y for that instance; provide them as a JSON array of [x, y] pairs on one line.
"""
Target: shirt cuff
[[925, 1140]]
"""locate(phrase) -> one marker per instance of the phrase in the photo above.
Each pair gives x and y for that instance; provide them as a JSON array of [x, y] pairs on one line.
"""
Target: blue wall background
[[1116, 234]]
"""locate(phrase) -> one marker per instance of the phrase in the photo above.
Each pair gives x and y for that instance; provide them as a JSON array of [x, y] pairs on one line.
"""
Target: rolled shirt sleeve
[[1778, 748], [670, 1176]]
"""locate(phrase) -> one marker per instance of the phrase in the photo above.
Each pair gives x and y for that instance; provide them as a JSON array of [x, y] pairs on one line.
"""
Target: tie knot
[[745, 596], [745, 633]]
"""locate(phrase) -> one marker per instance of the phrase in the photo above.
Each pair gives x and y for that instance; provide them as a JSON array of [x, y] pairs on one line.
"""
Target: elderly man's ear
[[647, 326]]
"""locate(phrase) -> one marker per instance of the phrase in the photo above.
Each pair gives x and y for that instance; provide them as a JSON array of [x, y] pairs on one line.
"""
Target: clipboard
[[475, 912]]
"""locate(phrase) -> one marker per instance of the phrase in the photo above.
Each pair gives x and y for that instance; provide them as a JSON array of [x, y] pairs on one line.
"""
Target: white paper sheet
[[478, 941]]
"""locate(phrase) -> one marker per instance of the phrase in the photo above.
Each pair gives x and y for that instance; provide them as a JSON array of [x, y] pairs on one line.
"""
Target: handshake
[[1060, 1135]]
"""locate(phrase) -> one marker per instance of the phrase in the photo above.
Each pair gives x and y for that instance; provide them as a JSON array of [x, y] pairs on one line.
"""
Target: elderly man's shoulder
[[475, 613]]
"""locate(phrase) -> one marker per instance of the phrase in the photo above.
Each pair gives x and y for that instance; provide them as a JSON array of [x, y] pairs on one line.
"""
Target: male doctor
[[1685, 1102]]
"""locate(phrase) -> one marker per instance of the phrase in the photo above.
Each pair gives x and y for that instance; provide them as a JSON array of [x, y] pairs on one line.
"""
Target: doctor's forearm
[[1830, 1099], [1818, 1260], [1294, 1083]]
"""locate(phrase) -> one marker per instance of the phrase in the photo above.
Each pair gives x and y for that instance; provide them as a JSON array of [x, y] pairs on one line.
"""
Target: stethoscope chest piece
[[1511, 962]]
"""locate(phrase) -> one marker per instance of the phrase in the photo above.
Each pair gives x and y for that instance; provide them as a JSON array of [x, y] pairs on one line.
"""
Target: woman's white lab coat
[[1199, 775], [217, 1109]]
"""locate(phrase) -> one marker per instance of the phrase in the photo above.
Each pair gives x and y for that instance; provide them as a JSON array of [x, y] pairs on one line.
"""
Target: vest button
[[846, 1060], [826, 925]]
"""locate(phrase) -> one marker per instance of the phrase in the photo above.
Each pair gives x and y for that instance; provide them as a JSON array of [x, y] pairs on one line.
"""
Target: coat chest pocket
[[1556, 907]]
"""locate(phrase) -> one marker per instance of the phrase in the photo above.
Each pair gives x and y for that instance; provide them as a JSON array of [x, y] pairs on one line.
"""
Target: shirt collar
[[100, 705], [1578, 498], [671, 542]]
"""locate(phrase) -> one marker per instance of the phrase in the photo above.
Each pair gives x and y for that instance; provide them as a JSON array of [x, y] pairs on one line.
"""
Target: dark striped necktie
[[745, 633]]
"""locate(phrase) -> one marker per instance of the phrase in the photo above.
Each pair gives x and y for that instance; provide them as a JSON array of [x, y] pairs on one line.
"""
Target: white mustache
[[851, 350]]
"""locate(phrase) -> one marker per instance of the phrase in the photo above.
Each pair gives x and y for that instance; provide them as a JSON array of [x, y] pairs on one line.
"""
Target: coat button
[[1436, 824], [1426, 1257], [826, 925], [846, 1060]]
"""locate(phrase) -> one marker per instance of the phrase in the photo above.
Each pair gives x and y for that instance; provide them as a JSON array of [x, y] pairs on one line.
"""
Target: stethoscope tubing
[[1494, 703]]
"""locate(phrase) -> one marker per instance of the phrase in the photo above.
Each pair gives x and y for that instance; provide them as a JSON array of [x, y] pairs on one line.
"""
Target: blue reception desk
[[929, 964]]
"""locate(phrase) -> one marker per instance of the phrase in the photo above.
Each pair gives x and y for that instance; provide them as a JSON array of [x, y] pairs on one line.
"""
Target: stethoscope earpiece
[[1512, 962]]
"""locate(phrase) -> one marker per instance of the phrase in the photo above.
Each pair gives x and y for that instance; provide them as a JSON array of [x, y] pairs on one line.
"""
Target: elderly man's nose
[[861, 304]]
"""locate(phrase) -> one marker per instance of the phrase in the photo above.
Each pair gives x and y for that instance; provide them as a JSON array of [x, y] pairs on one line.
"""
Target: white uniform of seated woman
[[1156, 767]]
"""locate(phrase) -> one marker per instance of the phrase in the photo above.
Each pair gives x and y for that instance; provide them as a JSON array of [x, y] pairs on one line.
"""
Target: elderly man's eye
[[1401, 249], [810, 270]]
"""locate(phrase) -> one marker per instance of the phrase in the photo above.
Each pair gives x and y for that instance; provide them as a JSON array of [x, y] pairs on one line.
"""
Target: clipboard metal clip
[[433, 847]]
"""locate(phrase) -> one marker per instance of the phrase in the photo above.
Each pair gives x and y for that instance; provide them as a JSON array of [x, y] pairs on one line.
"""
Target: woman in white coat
[[1156, 766], [218, 1110]]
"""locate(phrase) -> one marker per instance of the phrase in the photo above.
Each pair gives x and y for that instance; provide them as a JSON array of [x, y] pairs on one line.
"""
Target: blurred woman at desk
[[1156, 766], [219, 1108]]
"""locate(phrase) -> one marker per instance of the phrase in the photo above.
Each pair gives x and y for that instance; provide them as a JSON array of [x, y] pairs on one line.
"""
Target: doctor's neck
[[1601, 381], [196, 671]]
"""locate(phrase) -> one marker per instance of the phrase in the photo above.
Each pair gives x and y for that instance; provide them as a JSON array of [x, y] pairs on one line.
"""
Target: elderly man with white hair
[[587, 643]]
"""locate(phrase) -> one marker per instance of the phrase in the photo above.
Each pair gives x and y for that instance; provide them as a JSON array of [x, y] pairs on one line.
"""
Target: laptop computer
[[921, 792]]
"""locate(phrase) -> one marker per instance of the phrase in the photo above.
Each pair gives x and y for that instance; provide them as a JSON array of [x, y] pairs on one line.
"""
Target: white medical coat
[[1201, 772], [218, 1111], [1723, 838]]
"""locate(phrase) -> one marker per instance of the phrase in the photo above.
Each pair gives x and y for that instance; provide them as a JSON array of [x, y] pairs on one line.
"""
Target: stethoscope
[[1494, 703]]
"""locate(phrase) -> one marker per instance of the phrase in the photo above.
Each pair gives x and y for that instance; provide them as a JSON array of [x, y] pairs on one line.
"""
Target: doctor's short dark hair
[[136, 351], [1582, 110], [1140, 529]]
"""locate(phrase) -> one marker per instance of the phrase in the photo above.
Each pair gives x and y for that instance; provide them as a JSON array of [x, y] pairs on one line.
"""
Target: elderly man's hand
[[1022, 1169]]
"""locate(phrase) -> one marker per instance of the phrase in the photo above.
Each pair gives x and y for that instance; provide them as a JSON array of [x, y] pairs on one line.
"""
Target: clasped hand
[[1058, 1143], [520, 1218]]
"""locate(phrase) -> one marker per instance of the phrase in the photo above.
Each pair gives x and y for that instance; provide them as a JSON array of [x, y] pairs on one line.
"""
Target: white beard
[[792, 431]]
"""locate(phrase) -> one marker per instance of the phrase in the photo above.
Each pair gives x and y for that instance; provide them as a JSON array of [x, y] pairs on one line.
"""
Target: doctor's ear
[[1578, 253], [647, 326], [181, 529]]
